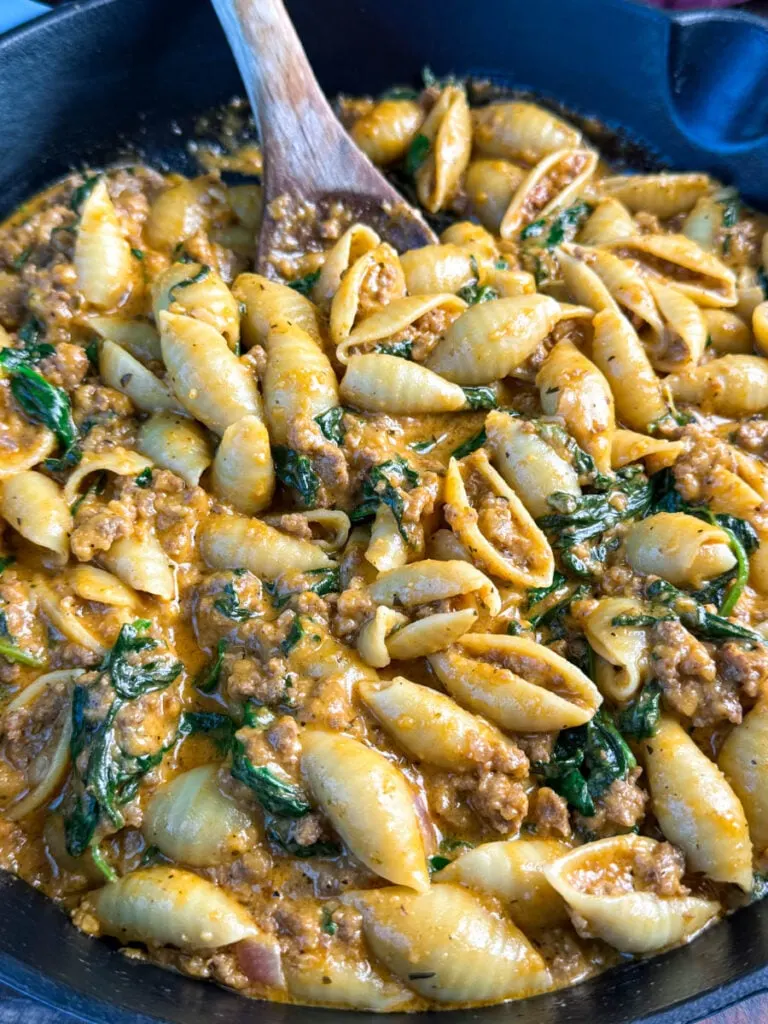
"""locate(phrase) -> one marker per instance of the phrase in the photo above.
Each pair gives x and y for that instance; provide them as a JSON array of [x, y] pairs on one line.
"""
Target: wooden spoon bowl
[[316, 181]]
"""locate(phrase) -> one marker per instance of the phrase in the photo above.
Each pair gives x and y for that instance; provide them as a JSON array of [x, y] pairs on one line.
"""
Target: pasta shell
[[31, 445], [760, 327], [396, 317], [623, 287], [491, 339], [528, 464], [382, 383], [696, 808], [627, 447], [684, 336], [165, 906], [619, 354], [476, 240], [431, 727], [62, 616], [683, 264], [513, 872], [357, 240], [550, 186], [243, 473], [120, 461], [197, 291], [119, 370], [330, 526], [664, 195], [178, 213], [521, 131], [385, 132], [93, 584], [138, 337], [48, 770], [387, 548], [521, 685], [369, 804], [103, 259], [235, 542], [207, 378], [430, 580], [177, 444], [35, 506], [599, 884], [494, 525], [430, 634], [624, 649], [490, 185], [348, 984], [141, 562], [190, 820], [298, 382], [571, 387], [704, 222], [351, 301], [728, 333], [679, 548], [729, 386], [372, 639], [437, 269], [744, 760], [247, 202], [608, 222], [448, 946], [448, 127], [271, 306]]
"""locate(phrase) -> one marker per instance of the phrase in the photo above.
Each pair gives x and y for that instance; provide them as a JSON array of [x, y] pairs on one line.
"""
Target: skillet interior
[[70, 87]]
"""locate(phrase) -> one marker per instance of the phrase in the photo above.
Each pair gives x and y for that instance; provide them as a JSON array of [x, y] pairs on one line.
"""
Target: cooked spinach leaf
[[470, 445], [295, 470], [219, 727], [703, 624], [201, 275], [294, 635], [482, 397], [551, 232], [403, 349], [318, 581], [553, 616], [81, 193], [639, 719], [558, 437], [536, 594], [332, 424], [586, 761], [417, 153], [229, 603], [13, 653], [438, 862], [304, 285], [382, 486], [144, 478], [6, 561], [473, 294], [274, 794], [111, 777], [208, 678], [49, 405], [581, 520]]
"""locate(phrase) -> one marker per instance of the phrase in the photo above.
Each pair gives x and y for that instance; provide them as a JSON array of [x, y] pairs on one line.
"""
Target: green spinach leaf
[[332, 424], [382, 486], [295, 471], [639, 719], [304, 285], [208, 678]]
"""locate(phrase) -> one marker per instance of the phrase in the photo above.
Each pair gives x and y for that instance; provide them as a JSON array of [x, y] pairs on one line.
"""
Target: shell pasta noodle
[[390, 636]]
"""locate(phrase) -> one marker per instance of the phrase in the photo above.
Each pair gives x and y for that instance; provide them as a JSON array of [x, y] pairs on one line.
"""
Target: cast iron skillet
[[100, 77]]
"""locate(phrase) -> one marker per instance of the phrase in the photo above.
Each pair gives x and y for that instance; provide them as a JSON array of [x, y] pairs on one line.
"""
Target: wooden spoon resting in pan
[[313, 172]]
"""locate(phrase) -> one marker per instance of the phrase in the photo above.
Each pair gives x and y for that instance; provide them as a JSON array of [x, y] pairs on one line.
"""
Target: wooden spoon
[[316, 181]]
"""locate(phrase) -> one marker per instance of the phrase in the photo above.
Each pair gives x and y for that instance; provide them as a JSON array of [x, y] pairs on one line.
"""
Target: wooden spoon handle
[[297, 127]]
